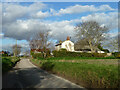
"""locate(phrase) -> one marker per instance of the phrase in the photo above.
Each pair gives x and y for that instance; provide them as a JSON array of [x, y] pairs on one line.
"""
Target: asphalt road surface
[[27, 75]]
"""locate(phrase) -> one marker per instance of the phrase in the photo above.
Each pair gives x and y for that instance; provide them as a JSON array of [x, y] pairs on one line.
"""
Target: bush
[[48, 53], [116, 54], [63, 50], [99, 54], [40, 55], [8, 63], [47, 65], [31, 52], [37, 55], [64, 53], [4, 55]]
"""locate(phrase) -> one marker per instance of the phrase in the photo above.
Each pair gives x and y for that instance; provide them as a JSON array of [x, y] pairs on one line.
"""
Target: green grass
[[75, 58], [8, 63], [86, 73]]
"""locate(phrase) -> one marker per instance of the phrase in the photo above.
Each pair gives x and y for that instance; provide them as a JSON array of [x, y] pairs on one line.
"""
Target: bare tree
[[92, 33], [16, 49], [41, 41], [81, 45], [112, 44]]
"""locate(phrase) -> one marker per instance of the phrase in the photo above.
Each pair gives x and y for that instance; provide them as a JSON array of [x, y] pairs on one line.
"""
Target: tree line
[[89, 33]]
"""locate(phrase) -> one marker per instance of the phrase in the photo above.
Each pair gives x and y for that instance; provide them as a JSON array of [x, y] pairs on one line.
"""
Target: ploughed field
[[89, 73]]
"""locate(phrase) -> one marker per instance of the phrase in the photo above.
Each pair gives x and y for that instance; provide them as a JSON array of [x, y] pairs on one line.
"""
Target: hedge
[[77, 54], [39, 55], [8, 63], [116, 54]]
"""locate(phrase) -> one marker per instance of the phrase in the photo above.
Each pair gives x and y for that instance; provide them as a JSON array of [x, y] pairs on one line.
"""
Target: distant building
[[70, 46], [67, 44]]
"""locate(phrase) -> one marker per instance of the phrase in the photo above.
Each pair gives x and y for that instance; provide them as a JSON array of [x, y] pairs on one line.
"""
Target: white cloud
[[14, 26], [111, 35], [41, 14], [110, 19], [60, 30], [13, 11], [81, 9], [24, 29]]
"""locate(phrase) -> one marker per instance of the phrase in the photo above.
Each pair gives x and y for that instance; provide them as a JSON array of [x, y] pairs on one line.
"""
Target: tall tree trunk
[[91, 47]]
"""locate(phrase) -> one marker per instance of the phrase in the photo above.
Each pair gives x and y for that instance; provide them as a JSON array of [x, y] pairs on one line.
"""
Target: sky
[[21, 20]]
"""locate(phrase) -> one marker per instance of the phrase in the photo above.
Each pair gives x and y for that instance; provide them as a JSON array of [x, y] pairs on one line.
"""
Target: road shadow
[[34, 78], [23, 78]]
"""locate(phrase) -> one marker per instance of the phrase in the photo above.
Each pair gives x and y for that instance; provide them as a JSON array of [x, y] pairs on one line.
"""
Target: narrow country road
[[27, 75]]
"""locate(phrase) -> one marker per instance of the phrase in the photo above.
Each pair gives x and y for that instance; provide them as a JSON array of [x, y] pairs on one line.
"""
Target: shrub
[[48, 53], [116, 54], [4, 55], [63, 50], [37, 55], [47, 65], [99, 54], [8, 63], [31, 52], [77, 54], [40, 55]]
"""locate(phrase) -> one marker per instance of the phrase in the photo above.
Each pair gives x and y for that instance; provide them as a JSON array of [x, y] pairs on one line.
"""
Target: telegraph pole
[[16, 47]]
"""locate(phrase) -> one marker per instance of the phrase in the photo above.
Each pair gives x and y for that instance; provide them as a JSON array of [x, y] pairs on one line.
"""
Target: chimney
[[68, 38]]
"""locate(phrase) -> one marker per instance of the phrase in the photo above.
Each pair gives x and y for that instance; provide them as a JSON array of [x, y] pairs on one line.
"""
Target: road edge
[[56, 76]]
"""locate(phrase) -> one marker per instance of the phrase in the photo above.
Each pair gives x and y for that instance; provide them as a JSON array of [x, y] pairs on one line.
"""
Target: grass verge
[[75, 58], [88, 75]]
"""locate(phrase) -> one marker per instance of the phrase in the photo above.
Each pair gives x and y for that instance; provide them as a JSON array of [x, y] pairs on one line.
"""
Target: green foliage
[[37, 55], [78, 58], [4, 55], [116, 54], [64, 53], [93, 75], [8, 63], [40, 55], [63, 50], [48, 53], [47, 65], [31, 52], [99, 54]]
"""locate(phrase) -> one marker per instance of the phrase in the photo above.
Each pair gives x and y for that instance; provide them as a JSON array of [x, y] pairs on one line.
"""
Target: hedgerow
[[8, 63], [63, 53]]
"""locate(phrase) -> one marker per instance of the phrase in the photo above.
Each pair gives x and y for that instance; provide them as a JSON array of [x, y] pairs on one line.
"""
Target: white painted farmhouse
[[67, 44], [70, 46]]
